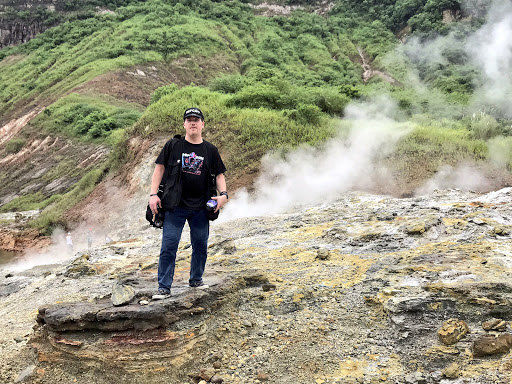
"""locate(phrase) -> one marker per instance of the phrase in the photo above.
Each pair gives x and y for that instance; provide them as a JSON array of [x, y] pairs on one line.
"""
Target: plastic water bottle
[[211, 205]]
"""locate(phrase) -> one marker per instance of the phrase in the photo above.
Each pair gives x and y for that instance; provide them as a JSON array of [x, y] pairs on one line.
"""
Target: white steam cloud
[[499, 150], [465, 177], [491, 51], [344, 163], [59, 251]]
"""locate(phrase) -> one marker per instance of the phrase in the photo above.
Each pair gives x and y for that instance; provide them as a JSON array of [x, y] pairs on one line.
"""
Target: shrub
[[161, 92], [85, 117], [228, 83], [330, 100], [306, 114], [280, 94], [260, 96], [14, 145], [483, 126]]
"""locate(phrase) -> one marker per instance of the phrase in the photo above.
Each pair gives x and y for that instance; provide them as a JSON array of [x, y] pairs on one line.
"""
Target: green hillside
[[264, 83]]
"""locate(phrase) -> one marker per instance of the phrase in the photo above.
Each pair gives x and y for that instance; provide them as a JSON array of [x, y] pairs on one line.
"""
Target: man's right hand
[[154, 204]]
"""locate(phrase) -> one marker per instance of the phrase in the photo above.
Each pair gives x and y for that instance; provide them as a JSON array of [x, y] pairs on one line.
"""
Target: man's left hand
[[221, 200]]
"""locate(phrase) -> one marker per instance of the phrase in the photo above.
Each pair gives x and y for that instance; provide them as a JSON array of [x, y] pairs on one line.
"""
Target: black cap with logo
[[196, 112]]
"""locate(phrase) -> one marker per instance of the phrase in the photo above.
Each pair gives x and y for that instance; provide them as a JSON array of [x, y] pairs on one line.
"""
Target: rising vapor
[[491, 51], [308, 175]]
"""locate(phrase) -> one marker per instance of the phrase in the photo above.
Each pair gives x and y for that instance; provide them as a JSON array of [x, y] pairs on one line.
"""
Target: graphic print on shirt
[[192, 163]]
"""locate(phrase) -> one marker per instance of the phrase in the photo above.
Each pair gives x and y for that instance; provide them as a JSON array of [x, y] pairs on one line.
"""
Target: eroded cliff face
[[20, 21], [358, 291], [23, 27], [13, 32]]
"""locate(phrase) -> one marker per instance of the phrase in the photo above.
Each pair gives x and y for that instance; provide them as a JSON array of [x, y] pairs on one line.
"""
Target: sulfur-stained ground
[[351, 292]]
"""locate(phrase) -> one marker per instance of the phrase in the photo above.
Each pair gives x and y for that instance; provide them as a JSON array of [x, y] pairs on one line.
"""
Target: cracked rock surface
[[352, 292]]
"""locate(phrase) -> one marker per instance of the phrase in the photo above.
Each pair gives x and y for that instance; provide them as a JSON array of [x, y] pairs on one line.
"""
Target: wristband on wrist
[[153, 194], [224, 193]]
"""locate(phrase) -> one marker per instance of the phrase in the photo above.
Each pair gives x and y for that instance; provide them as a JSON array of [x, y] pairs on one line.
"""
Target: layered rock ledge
[[369, 289]]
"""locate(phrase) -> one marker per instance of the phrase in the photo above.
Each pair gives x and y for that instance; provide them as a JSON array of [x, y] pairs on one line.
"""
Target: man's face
[[193, 126]]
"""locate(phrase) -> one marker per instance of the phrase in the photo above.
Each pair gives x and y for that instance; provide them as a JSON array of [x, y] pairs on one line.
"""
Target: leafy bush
[[330, 100], [260, 96], [85, 117], [483, 126], [161, 92], [14, 145], [228, 83], [306, 114], [280, 94]]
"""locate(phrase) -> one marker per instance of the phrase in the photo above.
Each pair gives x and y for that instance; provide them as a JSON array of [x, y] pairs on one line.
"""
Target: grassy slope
[[294, 75]]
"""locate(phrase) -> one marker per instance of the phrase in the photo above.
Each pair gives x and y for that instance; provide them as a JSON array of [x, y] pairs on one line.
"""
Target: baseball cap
[[193, 112]]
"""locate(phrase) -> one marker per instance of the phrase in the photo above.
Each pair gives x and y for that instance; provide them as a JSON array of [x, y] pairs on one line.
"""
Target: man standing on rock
[[192, 172]]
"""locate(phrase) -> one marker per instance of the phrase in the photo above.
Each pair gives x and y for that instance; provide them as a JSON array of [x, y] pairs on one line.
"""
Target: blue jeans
[[199, 232]]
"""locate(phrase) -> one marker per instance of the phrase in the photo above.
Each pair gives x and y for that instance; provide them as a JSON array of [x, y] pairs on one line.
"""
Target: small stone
[[206, 373], [216, 356], [19, 339], [217, 365], [122, 294], [452, 371], [118, 250], [227, 247], [322, 254], [419, 377], [143, 302], [262, 376], [398, 319], [494, 325], [415, 229], [247, 323], [147, 266], [216, 380], [452, 331], [502, 230], [389, 291], [80, 267], [415, 378], [268, 287], [490, 345]]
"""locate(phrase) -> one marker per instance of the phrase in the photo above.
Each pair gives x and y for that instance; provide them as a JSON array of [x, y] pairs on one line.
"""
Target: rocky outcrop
[[356, 291], [13, 32], [120, 316]]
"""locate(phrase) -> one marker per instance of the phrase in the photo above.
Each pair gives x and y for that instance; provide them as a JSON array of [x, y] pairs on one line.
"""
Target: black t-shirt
[[197, 160]]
